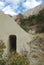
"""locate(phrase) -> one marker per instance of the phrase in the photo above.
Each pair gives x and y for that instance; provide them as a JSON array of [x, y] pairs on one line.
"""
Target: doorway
[[12, 41]]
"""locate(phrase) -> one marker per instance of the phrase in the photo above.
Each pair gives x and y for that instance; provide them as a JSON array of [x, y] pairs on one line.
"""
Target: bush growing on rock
[[16, 59]]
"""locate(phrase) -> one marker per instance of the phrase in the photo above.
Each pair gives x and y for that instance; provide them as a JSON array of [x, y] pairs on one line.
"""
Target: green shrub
[[42, 28], [40, 18], [2, 46], [31, 17], [16, 59]]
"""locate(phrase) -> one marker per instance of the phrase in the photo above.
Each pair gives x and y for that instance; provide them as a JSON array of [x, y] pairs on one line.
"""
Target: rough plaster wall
[[9, 27]]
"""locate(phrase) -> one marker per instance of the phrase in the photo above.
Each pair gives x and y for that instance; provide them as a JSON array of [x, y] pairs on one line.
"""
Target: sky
[[13, 7]]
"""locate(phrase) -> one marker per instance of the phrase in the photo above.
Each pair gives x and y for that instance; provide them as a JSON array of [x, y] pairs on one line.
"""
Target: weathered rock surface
[[34, 11], [36, 56]]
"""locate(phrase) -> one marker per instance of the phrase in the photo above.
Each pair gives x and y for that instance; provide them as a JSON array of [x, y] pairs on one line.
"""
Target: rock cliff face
[[34, 11], [36, 56]]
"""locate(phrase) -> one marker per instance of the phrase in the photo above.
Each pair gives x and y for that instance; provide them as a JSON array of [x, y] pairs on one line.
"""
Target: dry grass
[[40, 35]]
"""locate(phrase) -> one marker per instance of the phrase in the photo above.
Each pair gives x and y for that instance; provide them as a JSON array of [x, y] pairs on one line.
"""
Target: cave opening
[[12, 41]]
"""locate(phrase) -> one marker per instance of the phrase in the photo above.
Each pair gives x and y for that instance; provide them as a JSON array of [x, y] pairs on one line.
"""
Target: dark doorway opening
[[12, 41]]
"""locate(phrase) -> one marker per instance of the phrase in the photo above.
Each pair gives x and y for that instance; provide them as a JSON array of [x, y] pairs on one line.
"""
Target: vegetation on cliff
[[33, 20]]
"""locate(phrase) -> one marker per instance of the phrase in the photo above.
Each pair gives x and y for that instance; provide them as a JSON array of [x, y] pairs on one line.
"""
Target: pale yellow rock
[[9, 27]]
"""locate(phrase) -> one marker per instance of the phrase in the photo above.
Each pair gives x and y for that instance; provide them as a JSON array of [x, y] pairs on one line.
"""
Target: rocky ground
[[36, 56]]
